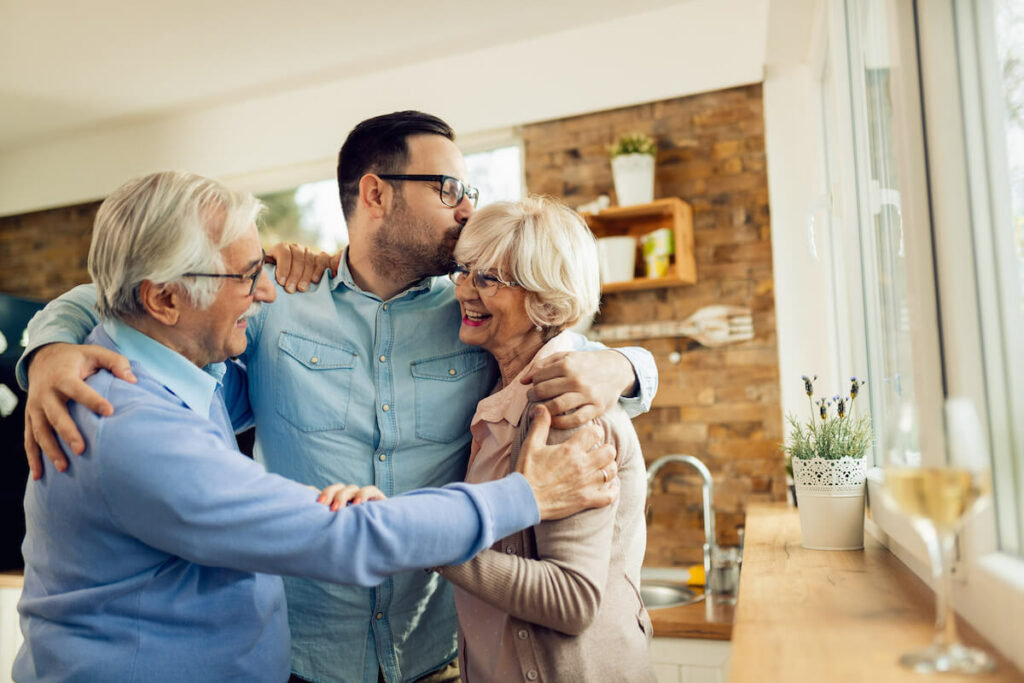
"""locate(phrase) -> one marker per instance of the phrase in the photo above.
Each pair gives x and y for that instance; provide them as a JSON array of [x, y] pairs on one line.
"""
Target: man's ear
[[375, 195], [162, 302]]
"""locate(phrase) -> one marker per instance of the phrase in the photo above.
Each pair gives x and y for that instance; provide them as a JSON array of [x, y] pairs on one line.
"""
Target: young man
[[363, 379], [140, 563]]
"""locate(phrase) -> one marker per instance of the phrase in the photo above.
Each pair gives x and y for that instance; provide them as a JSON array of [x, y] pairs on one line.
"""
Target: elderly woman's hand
[[337, 496], [578, 386]]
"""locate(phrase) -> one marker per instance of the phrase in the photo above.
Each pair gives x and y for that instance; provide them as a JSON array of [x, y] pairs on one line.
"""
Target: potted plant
[[633, 168], [829, 469]]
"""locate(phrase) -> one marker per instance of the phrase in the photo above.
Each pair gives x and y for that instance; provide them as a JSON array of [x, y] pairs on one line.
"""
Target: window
[[932, 134], [991, 58], [311, 213], [497, 172]]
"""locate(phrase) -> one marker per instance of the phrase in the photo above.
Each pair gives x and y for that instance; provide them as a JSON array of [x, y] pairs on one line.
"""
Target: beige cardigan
[[571, 586]]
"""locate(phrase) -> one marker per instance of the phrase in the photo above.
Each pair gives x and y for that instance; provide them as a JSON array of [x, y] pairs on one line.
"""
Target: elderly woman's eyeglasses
[[253, 277], [486, 283], [453, 190]]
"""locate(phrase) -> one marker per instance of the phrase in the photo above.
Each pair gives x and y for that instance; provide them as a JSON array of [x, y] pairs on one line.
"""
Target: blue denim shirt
[[346, 387], [150, 560]]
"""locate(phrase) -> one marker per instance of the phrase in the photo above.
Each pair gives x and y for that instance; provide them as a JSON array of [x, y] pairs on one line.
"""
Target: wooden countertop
[[704, 619], [13, 579], [815, 615]]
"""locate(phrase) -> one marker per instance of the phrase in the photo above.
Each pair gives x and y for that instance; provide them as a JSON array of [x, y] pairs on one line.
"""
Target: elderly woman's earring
[[538, 328]]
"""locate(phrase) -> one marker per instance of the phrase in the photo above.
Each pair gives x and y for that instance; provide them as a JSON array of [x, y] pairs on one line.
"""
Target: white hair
[[159, 227], [546, 248]]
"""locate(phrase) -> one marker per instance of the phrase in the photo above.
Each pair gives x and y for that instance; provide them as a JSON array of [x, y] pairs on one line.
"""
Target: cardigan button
[[532, 674], [522, 634], [510, 549]]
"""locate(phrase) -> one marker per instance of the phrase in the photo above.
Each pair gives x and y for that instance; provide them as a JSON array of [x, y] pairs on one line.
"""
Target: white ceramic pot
[[830, 498], [634, 178], [617, 258]]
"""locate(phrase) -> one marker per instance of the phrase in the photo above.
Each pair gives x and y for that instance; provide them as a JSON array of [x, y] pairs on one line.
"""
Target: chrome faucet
[[709, 510]]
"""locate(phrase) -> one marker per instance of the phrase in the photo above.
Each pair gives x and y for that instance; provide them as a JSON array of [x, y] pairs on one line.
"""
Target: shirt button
[[314, 360], [452, 371], [532, 674], [383, 359], [522, 634], [385, 307], [385, 407], [382, 457], [378, 616]]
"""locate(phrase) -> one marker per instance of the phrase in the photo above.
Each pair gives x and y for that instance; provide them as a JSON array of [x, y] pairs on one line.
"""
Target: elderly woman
[[557, 602]]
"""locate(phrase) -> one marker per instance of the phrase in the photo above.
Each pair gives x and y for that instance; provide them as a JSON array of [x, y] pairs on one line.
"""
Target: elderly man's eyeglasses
[[452, 189], [486, 283], [253, 277]]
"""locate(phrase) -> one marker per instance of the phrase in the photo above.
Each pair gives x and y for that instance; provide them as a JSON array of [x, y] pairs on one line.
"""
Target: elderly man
[[363, 379], [140, 562]]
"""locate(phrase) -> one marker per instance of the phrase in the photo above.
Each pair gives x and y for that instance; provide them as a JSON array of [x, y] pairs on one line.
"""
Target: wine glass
[[937, 499]]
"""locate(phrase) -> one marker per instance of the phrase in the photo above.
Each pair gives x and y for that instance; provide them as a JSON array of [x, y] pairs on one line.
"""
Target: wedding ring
[[605, 475]]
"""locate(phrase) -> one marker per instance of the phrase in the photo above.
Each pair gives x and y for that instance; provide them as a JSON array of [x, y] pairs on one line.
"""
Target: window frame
[[937, 179]]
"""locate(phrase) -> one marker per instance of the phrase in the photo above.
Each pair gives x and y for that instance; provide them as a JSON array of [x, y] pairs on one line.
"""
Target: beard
[[406, 248]]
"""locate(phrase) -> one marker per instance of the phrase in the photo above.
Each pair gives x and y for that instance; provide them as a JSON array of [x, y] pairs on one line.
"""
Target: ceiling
[[70, 66]]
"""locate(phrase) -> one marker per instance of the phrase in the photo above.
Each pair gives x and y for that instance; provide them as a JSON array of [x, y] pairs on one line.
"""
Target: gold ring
[[605, 475]]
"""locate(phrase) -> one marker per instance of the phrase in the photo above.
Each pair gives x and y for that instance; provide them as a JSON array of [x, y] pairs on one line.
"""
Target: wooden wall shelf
[[637, 221]]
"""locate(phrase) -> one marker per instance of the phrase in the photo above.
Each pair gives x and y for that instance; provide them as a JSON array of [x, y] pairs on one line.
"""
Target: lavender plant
[[834, 430]]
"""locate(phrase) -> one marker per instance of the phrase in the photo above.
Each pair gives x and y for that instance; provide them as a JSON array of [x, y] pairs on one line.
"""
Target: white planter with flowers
[[830, 470]]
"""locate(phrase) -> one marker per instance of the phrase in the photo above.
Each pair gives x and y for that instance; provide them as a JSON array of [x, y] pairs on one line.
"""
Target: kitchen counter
[[12, 579], [815, 615], [704, 619]]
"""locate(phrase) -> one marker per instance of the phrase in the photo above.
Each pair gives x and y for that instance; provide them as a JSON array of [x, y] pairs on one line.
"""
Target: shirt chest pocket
[[447, 389], [313, 382]]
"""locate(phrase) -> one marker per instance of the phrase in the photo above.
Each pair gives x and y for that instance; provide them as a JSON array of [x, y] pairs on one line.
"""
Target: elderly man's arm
[[197, 498]]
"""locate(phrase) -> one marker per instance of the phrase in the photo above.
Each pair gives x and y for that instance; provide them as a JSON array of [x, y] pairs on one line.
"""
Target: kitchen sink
[[661, 592]]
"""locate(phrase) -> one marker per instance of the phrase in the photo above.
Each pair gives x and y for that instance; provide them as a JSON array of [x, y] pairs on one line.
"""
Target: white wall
[[795, 183], [291, 136], [801, 283]]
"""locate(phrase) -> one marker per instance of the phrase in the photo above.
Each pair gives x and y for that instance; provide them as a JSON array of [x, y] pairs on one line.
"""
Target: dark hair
[[378, 145]]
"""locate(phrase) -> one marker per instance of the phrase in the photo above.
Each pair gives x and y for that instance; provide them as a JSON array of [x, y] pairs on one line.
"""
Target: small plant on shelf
[[633, 143]]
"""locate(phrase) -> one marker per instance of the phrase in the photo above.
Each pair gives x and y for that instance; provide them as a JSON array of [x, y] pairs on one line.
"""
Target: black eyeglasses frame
[[254, 277], [464, 189]]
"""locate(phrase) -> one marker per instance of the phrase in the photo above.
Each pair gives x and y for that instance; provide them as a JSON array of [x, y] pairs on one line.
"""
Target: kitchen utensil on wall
[[709, 326]]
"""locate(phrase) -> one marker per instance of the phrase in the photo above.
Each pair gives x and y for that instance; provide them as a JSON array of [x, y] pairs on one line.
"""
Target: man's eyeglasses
[[485, 283], [452, 189], [252, 277]]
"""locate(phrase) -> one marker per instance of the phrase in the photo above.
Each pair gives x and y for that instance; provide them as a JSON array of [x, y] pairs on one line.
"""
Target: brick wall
[[45, 253], [721, 405]]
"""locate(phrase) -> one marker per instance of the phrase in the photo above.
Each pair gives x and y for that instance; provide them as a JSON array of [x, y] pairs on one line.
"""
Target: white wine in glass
[[937, 500]]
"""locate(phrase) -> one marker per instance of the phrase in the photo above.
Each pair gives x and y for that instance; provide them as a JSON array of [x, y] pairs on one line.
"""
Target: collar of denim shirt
[[194, 386], [344, 277]]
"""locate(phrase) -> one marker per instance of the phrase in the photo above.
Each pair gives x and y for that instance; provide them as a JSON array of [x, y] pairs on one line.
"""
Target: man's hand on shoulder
[[579, 386], [298, 266], [56, 375], [574, 475]]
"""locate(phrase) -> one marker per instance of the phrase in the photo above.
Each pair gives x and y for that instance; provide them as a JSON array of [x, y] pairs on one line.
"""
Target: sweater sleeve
[[562, 588]]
